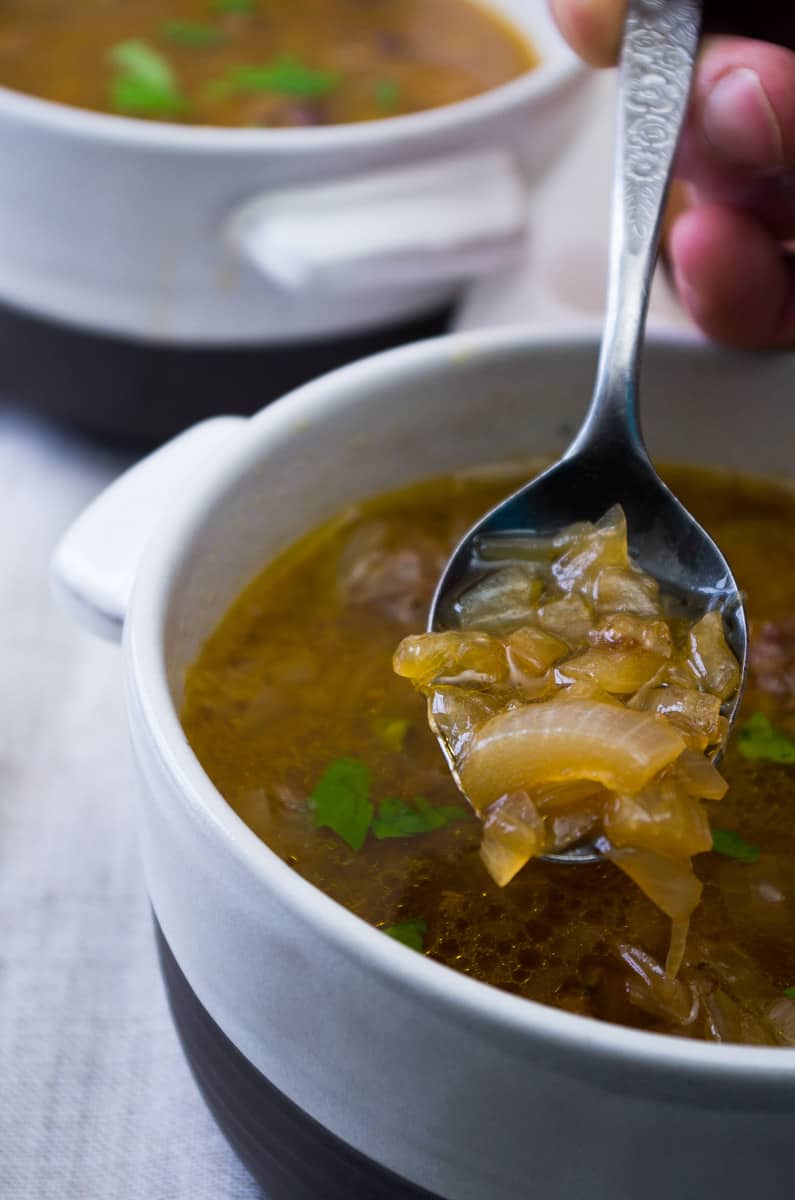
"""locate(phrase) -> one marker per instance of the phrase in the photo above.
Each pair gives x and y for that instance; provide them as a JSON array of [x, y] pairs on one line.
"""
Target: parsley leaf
[[730, 844], [341, 801], [392, 731], [235, 6], [759, 739], [397, 819], [790, 993], [144, 82], [285, 75], [410, 933], [186, 33], [387, 94]]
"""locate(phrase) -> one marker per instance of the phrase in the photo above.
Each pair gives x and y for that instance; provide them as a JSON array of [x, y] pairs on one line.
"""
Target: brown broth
[[386, 57], [295, 678]]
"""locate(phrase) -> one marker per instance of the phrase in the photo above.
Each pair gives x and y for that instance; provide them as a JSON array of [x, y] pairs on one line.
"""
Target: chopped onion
[[501, 601], [697, 714], [627, 631], [599, 546], [568, 617], [619, 672], [698, 776], [452, 657], [626, 589], [710, 659], [661, 818], [455, 713], [566, 740], [668, 882], [533, 651], [513, 833]]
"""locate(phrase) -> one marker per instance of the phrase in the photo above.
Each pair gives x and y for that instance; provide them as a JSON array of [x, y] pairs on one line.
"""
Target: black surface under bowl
[[140, 393]]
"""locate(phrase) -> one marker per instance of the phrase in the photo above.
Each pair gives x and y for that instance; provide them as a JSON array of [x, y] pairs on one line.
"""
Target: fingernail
[[740, 123]]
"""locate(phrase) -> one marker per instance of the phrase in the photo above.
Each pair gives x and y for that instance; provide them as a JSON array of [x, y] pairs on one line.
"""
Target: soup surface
[[295, 713], [257, 62]]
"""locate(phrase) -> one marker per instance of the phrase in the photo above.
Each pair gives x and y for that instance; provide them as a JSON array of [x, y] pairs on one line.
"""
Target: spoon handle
[[657, 58]]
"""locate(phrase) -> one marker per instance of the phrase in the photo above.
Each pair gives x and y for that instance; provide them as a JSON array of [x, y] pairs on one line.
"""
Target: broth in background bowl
[[258, 62]]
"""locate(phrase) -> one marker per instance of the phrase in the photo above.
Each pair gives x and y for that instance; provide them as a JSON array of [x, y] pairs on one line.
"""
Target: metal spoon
[[607, 463]]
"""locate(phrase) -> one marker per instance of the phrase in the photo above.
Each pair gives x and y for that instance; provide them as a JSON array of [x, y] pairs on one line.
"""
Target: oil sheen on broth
[[292, 707], [258, 62]]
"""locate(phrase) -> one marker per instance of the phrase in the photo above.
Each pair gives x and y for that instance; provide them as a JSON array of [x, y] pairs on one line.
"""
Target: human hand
[[731, 249]]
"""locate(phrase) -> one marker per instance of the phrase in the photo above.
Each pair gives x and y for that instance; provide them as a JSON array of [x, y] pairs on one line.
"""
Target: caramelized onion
[[661, 818], [619, 672], [474, 658], [501, 601], [573, 707], [566, 740], [513, 833], [697, 714], [668, 882], [710, 659]]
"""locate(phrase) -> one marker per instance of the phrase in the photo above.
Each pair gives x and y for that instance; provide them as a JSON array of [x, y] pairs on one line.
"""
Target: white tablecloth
[[96, 1102]]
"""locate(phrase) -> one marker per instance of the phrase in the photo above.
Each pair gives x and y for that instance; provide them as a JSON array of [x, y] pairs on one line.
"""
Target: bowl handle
[[95, 563], [440, 222]]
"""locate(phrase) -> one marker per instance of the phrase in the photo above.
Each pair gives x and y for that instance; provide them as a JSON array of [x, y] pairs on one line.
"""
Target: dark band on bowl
[[289, 1154]]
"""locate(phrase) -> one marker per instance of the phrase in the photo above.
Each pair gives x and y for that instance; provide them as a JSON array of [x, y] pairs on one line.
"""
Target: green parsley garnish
[[235, 6], [144, 83], [392, 732], [387, 94], [284, 75], [790, 993], [397, 819], [759, 739], [410, 933], [730, 844], [341, 801], [186, 33]]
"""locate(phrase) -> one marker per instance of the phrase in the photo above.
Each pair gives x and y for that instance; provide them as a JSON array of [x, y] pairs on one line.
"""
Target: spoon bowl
[[608, 464]]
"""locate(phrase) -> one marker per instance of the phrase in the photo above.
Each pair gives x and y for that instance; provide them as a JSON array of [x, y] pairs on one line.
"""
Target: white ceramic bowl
[[173, 234], [378, 1071]]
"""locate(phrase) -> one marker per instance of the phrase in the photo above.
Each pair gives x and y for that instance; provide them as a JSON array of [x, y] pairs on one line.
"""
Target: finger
[[592, 28], [734, 277], [742, 114]]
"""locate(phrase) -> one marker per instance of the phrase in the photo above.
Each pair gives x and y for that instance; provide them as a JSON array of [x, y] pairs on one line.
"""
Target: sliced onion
[[513, 833], [661, 818], [501, 601], [619, 672], [566, 740], [668, 882], [710, 659], [452, 657], [656, 990]]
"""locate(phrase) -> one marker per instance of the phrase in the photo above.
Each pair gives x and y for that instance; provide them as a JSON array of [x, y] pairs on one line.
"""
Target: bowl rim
[[467, 1001], [559, 66]]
